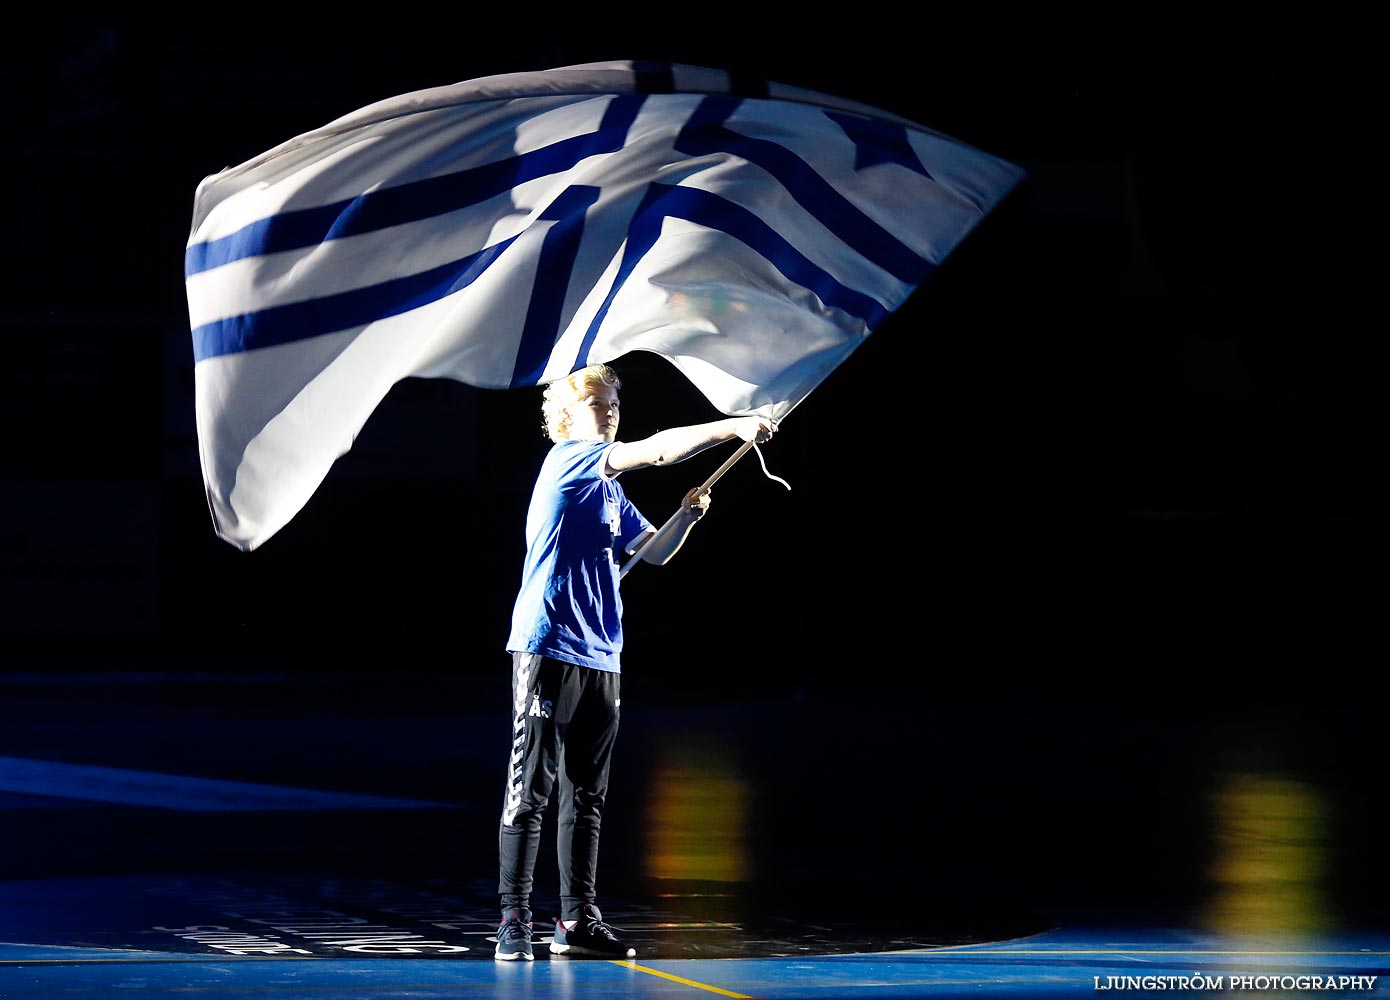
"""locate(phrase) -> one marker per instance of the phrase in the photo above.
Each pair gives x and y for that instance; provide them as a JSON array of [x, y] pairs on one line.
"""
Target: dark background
[[1120, 438], [1082, 531]]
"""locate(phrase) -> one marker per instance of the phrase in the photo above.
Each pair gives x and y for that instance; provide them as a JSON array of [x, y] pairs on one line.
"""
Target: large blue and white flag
[[508, 230]]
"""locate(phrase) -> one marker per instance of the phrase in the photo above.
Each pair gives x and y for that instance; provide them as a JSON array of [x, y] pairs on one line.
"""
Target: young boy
[[566, 640]]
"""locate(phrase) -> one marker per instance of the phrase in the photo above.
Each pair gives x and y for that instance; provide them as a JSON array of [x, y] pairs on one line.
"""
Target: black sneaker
[[589, 936], [514, 936]]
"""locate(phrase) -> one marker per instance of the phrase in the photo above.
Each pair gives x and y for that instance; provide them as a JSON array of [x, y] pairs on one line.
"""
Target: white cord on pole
[[672, 520]]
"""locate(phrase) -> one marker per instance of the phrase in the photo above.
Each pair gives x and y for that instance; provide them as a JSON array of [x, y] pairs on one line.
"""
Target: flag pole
[[671, 521]]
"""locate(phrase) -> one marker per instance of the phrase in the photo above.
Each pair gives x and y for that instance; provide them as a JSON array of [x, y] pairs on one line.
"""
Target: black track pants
[[564, 721]]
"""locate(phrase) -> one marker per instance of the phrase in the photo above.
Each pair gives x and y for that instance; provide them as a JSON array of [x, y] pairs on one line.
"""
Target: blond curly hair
[[575, 386]]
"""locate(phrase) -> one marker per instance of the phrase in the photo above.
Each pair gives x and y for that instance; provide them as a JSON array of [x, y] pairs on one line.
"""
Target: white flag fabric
[[508, 230]]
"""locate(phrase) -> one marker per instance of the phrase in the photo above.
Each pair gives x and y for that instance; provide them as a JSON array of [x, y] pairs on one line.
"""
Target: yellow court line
[[677, 979]]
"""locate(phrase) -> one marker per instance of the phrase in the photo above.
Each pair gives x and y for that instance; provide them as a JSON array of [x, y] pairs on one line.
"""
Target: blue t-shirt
[[569, 607]]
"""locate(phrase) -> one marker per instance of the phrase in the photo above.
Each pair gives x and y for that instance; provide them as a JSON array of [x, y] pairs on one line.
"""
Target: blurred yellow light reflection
[[697, 817], [1270, 858]]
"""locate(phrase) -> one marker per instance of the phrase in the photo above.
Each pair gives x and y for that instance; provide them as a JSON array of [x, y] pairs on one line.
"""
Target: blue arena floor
[[1064, 962], [317, 836]]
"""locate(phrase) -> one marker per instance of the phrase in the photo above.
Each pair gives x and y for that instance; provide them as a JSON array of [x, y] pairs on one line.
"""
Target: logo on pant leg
[[540, 707], [516, 770]]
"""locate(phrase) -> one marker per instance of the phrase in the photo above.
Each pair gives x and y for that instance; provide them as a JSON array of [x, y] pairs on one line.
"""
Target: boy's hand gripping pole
[[671, 521]]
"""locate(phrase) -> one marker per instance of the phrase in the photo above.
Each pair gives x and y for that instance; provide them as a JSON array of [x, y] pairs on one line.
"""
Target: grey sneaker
[[589, 937], [514, 937]]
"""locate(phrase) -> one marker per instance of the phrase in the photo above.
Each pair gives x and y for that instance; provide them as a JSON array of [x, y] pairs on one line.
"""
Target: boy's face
[[595, 418]]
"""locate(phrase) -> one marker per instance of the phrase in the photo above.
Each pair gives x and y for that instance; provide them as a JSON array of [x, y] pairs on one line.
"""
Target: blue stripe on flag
[[415, 200], [879, 142], [553, 269], [330, 313], [664, 201], [705, 133]]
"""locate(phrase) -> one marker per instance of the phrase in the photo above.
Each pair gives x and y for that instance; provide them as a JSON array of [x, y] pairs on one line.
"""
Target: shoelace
[[600, 928], [514, 928]]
